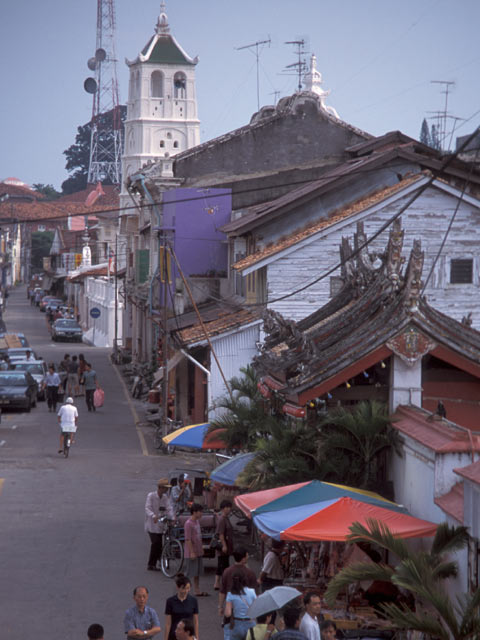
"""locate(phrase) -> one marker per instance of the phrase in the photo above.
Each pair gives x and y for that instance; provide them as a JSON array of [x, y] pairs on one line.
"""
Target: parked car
[[18, 390], [48, 301], [67, 329], [37, 369], [20, 353], [12, 336]]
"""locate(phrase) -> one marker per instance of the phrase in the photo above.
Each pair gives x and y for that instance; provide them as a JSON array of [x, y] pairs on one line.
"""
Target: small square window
[[461, 271]]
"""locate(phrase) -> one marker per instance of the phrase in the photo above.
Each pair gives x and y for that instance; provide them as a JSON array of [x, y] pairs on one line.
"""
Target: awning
[[332, 519], [171, 364]]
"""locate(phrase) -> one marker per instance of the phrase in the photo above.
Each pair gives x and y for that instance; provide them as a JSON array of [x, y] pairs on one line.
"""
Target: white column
[[405, 383]]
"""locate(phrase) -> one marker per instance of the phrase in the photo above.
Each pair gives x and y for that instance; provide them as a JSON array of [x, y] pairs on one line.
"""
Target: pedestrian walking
[[91, 383], [51, 383], [141, 621], [272, 573], [95, 632], [81, 368], [72, 378], [310, 624], [194, 547], [63, 366], [157, 505], [240, 555], [238, 600], [225, 535], [328, 630], [182, 606], [264, 629]]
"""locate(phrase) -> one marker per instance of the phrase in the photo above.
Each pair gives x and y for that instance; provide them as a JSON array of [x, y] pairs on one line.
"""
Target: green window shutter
[[142, 264]]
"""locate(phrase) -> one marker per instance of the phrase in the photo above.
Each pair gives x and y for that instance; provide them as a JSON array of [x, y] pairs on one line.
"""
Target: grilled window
[[461, 271]]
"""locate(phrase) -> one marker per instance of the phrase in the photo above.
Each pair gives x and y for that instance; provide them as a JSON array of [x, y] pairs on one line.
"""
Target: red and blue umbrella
[[196, 436]]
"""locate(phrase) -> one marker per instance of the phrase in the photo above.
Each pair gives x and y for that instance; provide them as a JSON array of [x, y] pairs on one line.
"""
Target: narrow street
[[71, 530]]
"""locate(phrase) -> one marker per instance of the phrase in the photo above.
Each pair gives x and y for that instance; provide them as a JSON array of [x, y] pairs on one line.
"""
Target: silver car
[[37, 369]]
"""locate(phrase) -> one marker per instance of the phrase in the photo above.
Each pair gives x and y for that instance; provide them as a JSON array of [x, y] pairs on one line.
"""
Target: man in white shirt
[[157, 505], [310, 624], [67, 419]]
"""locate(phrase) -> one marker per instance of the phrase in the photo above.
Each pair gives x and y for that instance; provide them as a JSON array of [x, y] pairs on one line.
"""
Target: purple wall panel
[[195, 215]]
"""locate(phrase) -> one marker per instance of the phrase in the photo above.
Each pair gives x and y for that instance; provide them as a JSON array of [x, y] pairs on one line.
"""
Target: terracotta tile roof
[[471, 472], [43, 210], [224, 322], [452, 502], [98, 270], [334, 217], [20, 190], [440, 436]]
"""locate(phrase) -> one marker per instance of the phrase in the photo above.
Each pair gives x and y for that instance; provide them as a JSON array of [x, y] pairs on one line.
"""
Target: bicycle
[[158, 442], [171, 560], [67, 443]]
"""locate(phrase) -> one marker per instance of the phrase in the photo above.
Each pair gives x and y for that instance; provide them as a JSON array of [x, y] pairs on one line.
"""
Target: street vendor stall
[[314, 520]]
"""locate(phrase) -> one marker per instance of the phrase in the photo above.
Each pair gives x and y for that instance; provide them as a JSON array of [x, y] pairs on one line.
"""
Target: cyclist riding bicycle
[[67, 419]]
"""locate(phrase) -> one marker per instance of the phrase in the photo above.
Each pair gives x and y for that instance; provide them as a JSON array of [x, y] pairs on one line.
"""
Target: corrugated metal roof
[[336, 216], [452, 502], [471, 472]]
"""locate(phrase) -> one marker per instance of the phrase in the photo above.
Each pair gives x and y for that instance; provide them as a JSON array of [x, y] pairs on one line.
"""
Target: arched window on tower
[[180, 85], [156, 84], [137, 83]]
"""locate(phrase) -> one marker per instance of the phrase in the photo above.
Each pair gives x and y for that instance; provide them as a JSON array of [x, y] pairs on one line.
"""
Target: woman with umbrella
[[238, 600]]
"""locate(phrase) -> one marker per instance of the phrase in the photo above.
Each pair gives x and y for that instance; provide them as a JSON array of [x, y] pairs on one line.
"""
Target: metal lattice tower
[[106, 137]]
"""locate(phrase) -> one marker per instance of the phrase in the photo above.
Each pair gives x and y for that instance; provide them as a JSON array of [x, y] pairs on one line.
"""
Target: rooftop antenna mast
[[254, 48], [106, 127], [442, 116], [300, 65]]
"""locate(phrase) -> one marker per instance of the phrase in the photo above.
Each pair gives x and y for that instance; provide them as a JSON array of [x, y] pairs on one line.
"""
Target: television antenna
[[300, 66], [254, 47], [442, 116]]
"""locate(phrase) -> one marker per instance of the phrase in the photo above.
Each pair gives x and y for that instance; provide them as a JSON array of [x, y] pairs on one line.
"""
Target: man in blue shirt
[[141, 621]]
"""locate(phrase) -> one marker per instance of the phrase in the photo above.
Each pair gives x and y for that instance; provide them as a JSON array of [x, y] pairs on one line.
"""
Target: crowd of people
[[238, 586], [79, 379]]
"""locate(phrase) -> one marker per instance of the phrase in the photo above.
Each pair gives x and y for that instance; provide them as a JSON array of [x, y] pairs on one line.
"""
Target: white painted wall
[[426, 219], [415, 477], [100, 293], [234, 351]]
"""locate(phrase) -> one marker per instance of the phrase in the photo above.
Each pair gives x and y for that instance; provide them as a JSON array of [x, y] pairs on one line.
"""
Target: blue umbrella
[[228, 472]]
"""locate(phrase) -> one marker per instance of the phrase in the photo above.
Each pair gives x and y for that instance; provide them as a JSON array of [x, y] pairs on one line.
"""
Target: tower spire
[[162, 26]]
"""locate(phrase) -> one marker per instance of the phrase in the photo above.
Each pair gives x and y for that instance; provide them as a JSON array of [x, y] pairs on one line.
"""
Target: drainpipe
[[206, 371]]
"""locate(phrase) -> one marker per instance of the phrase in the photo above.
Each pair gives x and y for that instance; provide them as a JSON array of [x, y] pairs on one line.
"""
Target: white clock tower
[[162, 115]]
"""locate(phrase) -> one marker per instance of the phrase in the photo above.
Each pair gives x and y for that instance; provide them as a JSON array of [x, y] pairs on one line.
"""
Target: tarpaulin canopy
[[307, 493], [248, 502], [332, 519], [228, 472], [195, 436]]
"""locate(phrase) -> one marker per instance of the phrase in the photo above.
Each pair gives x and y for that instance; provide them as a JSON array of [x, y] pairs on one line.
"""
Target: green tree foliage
[[78, 154], [355, 442], [423, 575], [47, 190], [244, 419], [41, 245], [348, 446], [425, 136]]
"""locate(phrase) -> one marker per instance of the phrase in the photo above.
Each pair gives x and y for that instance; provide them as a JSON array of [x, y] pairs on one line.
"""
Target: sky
[[377, 57]]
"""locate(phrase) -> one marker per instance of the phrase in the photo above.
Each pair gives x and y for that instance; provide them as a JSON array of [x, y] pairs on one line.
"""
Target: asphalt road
[[72, 545]]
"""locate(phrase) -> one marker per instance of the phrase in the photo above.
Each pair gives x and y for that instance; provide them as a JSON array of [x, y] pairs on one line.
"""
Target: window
[[461, 271], [156, 84], [175, 145], [180, 85]]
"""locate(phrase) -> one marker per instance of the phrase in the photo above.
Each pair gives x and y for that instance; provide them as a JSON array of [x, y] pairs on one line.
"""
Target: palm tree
[[357, 440], [423, 575], [285, 456], [244, 420]]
